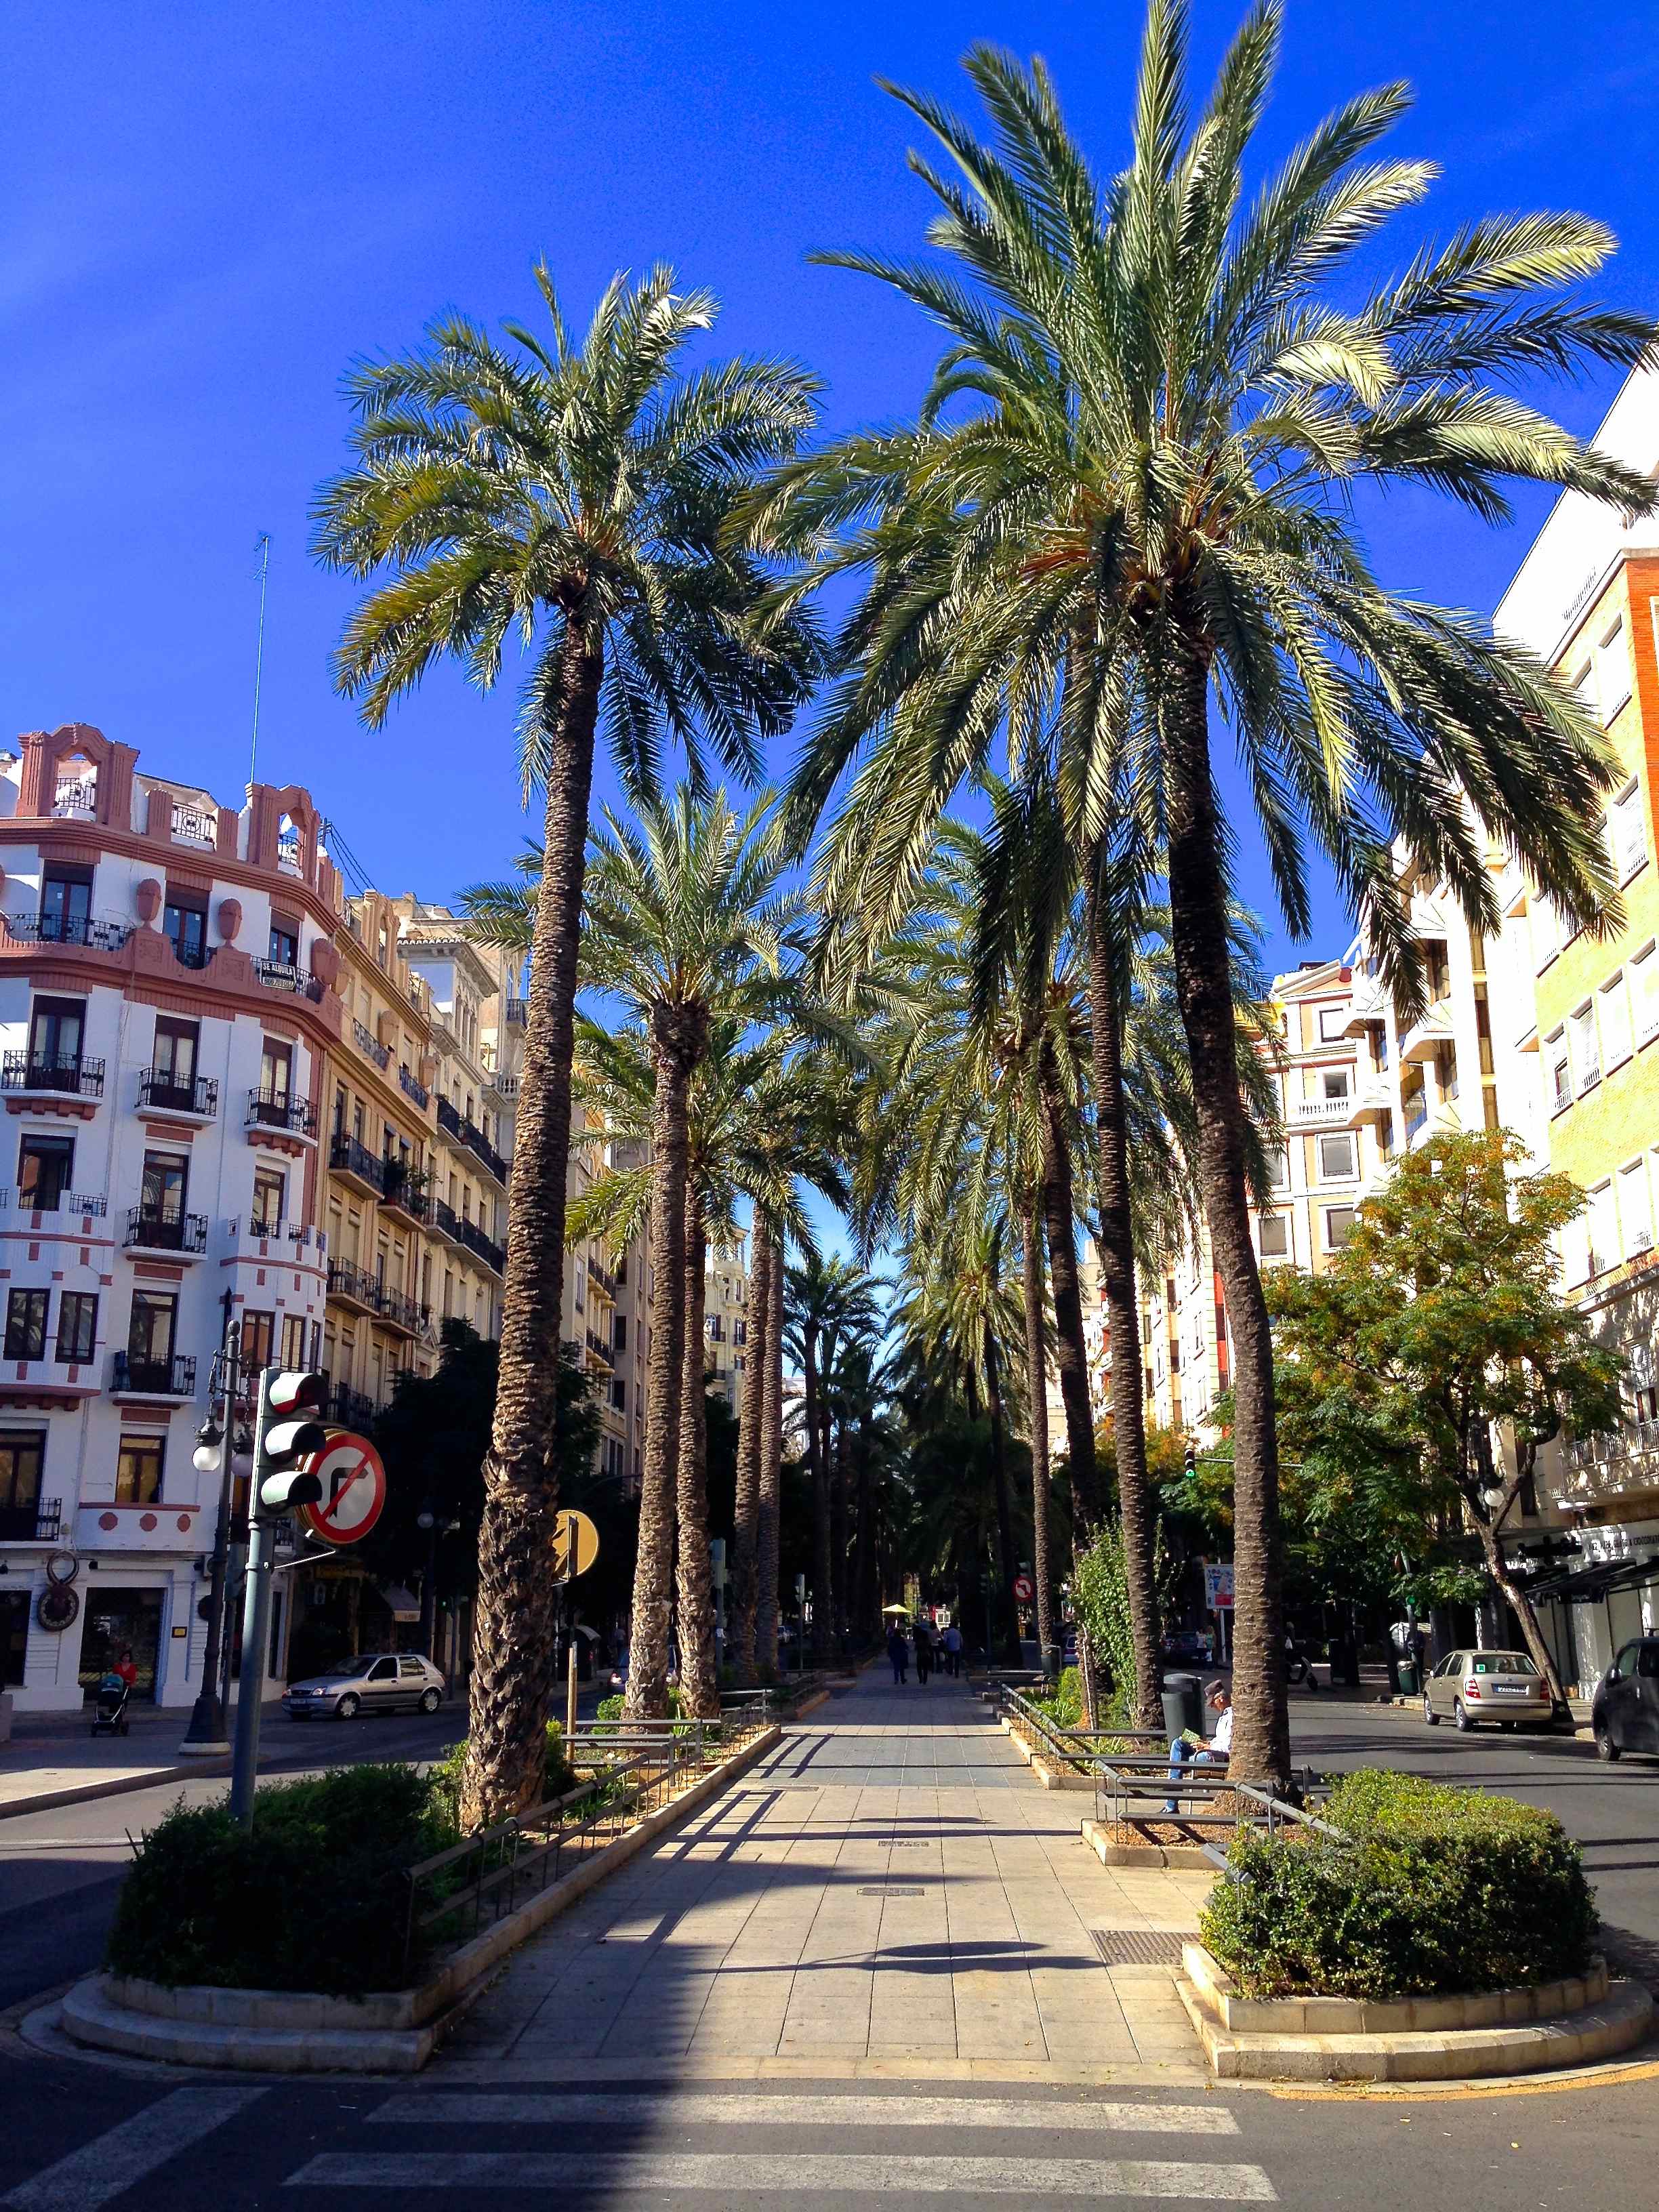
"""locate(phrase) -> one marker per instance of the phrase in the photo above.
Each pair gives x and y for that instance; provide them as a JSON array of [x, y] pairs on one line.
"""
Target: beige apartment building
[[725, 1318]]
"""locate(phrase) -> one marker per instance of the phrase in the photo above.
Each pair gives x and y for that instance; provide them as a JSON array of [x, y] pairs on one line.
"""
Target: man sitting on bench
[[1219, 1700]]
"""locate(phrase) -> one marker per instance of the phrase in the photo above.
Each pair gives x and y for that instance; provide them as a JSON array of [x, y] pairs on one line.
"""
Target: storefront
[[117, 1620]]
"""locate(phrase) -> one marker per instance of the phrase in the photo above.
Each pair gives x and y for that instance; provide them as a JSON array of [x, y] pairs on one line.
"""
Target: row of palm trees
[[1119, 528]]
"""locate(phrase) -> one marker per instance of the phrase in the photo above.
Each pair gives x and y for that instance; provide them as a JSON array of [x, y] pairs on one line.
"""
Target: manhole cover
[[1138, 1946], [893, 1889]]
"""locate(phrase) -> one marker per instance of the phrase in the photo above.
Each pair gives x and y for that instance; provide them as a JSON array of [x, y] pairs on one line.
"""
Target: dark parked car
[[1625, 1712]]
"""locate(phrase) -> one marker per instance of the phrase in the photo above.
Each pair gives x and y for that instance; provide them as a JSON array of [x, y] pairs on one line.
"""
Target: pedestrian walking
[[924, 1652], [953, 1650], [899, 1652]]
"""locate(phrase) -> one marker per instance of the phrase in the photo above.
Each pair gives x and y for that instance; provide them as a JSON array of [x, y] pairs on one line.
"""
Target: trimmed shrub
[[312, 1897], [1064, 1704], [557, 1774], [1431, 1889]]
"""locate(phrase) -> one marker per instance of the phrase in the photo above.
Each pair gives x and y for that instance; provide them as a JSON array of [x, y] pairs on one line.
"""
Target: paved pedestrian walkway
[[888, 1892]]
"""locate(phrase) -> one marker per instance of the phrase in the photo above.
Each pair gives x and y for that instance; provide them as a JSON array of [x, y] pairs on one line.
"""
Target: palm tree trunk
[[700, 1683], [1070, 1347], [841, 1536], [647, 1671], [1005, 1512], [866, 1604], [771, 1472], [1037, 1369], [1198, 915], [745, 1530], [1116, 1246], [822, 1572], [512, 1637]]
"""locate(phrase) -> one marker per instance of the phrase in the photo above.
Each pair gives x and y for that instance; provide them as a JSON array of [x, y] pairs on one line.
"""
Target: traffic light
[[1192, 1456], [289, 1432]]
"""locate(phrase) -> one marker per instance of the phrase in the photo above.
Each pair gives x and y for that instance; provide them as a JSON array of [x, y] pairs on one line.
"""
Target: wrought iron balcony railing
[[71, 1073], [39, 1523], [281, 1110], [173, 1377], [155, 1230], [159, 1087]]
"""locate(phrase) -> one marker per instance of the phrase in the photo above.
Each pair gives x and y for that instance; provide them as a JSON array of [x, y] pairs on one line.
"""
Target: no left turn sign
[[1024, 1588], [353, 1489]]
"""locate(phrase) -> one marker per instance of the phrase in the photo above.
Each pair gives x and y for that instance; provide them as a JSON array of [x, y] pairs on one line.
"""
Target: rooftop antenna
[[262, 570]]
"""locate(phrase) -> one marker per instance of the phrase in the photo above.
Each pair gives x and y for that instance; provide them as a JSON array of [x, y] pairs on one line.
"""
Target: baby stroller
[[110, 1714]]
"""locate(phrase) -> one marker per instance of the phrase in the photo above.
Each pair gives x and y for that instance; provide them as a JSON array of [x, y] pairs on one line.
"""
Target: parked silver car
[[378, 1682], [1474, 1688]]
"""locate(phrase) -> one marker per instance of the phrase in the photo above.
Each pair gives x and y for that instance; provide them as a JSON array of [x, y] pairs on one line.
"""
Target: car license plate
[[1512, 1690]]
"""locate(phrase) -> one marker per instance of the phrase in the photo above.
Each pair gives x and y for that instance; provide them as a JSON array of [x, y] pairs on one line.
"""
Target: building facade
[[725, 1318], [168, 1012]]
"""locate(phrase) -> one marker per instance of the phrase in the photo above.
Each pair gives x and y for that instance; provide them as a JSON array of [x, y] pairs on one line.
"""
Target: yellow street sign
[[575, 1546]]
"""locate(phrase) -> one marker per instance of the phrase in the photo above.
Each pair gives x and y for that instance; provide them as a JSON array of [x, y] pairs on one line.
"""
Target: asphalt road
[[1614, 1811]]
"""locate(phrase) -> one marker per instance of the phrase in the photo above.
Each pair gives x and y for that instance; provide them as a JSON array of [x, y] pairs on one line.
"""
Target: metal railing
[[413, 1088], [639, 1766], [456, 1124], [281, 1110], [483, 1248], [1080, 1748], [161, 1089], [368, 1043], [68, 929], [154, 1231], [155, 1378], [39, 1523], [346, 1281], [347, 1156], [28, 1071], [288, 976], [66, 1201]]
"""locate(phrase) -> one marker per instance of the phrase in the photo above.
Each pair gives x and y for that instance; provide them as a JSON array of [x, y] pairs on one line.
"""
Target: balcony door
[[66, 904], [44, 1167], [57, 1031], [184, 920], [176, 1047], [151, 1335], [23, 1458], [162, 1196]]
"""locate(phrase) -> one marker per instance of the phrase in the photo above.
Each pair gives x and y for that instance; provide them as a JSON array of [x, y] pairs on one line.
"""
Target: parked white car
[[378, 1682]]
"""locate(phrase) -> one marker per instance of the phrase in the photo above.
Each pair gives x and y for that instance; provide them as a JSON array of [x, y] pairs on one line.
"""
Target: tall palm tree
[[1140, 504], [685, 926], [575, 494]]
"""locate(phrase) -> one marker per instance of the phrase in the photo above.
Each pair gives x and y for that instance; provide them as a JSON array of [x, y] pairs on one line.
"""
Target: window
[[258, 1331], [45, 1165], [276, 1071], [1610, 667], [55, 1034], [174, 1066], [294, 1340], [1643, 974], [23, 1458], [619, 1394], [26, 1324], [411, 1667], [1627, 844], [1339, 1226], [268, 1188], [77, 1324], [285, 941], [150, 1331], [139, 1471], [1635, 1209], [1275, 1236], [184, 921], [1278, 1166], [1334, 1083], [1612, 1010], [1559, 1063], [1575, 1253], [619, 1340], [1586, 1055], [1335, 1158], [162, 1195], [1603, 1230], [66, 904], [1332, 1023]]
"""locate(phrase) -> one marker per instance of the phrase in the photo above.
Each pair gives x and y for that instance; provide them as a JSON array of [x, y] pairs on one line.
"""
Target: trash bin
[[1407, 1669], [1183, 1705]]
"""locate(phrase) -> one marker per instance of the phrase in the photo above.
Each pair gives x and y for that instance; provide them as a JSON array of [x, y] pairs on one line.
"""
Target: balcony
[[404, 1193], [603, 1281], [351, 1409], [291, 1238], [1319, 1113], [357, 1166], [411, 1089], [137, 1376], [68, 929], [1425, 1037], [67, 1206], [194, 825], [393, 1310], [39, 1523], [180, 1236], [286, 975], [443, 1221], [162, 1093], [482, 1247], [367, 1041], [280, 1122], [157, 1527], [514, 1012], [1372, 1101], [66, 1077], [601, 1350], [74, 799], [455, 1125], [348, 1286]]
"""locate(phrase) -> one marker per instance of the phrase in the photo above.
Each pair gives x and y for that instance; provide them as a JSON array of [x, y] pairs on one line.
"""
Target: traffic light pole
[[256, 1624]]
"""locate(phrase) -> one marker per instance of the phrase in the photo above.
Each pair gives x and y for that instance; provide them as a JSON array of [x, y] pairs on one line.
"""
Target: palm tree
[[823, 1300], [1141, 501], [684, 927], [576, 495]]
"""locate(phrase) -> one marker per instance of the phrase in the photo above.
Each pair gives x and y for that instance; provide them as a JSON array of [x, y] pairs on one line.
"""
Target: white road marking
[[451, 2108], [124, 2154], [733, 2174]]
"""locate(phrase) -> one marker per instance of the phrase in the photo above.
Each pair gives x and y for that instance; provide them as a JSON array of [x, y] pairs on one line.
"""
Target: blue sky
[[209, 210]]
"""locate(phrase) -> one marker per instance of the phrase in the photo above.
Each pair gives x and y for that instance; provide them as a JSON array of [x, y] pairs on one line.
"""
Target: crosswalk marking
[[453, 2108], [739, 2173], [124, 2154]]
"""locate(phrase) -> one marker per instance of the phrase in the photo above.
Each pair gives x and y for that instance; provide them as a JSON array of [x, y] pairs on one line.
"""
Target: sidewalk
[[888, 1892]]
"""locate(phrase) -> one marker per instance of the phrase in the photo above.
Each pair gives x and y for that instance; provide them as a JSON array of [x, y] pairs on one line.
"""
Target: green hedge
[[557, 1773], [312, 1897], [1433, 1888]]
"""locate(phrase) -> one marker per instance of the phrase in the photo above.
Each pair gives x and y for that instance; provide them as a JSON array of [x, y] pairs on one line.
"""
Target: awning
[[1589, 1585], [403, 1604]]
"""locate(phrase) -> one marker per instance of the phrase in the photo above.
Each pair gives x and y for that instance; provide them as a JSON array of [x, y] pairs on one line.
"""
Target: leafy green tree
[[1127, 509], [1439, 1323], [574, 494]]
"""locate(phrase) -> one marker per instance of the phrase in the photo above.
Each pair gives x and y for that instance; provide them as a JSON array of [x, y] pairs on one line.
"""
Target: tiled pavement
[[888, 1892]]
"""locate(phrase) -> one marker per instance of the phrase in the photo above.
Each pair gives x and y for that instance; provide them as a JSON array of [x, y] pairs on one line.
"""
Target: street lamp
[[205, 1737]]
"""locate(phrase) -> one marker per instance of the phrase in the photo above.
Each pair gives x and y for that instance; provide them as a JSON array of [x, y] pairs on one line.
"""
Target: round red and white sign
[[353, 1489], [1024, 1588]]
